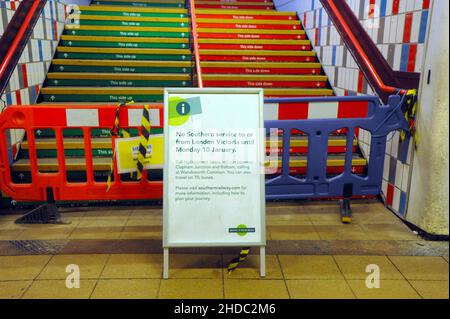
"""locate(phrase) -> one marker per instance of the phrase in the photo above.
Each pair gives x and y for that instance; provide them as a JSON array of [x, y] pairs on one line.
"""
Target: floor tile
[[96, 233], [133, 266], [319, 289], [126, 289], [389, 231], [255, 289], [90, 266], [145, 221], [13, 289], [389, 289], [195, 266], [277, 209], [341, 232], [354, 267], [144, 232], [421, 267], [56, 289], [431, 289], [293, 233], [10, 234], [109, 213], [320, 219], [22, 267], [446, 258], [309, 267], [360, 217], [300, 219], [250, 268], [191, 289], [46, 233], [103, 222]]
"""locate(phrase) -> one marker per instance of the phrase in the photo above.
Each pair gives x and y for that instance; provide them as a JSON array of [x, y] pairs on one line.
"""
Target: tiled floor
[[205, 276]]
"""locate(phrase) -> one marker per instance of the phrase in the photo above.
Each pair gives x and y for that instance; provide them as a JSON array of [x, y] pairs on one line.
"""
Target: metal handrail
[[195, 42]]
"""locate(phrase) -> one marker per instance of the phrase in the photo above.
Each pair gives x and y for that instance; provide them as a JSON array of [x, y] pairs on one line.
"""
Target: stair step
[[240, 24], [260, 68], [123, 53], [100, 132], [116, 11], [103, 163], [102, 94], [118, 79], [120, 66], [140, 3], [258, 80], [257, 55], [232, 6], [295, 33], [77, 19], [126, 31], [304, 46]]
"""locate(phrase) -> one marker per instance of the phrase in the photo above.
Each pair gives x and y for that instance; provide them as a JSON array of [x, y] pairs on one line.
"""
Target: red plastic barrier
[[31, 118]]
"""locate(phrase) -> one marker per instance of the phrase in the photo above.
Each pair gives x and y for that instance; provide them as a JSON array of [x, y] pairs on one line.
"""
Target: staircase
[[111, 52], [247, 43], [117, 51]]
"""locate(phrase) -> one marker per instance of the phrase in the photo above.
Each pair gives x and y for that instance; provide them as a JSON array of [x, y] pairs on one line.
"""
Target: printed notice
[[214, 168]]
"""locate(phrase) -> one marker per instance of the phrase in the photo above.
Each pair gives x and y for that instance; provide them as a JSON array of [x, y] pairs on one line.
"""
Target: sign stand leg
[[166, 263], [262, 261]]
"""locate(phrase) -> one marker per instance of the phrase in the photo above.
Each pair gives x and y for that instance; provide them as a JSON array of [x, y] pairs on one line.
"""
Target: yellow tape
[[238, 260], [143, 142], [118, 132]]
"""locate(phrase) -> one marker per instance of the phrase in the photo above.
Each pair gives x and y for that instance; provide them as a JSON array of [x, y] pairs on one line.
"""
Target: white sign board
[[214, 168]]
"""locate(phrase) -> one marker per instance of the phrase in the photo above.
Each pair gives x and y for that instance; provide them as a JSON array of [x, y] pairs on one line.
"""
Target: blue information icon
[[183, 108]]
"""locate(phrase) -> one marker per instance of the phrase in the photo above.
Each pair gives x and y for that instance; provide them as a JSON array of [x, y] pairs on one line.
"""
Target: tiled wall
[[27, 78], [398, 27]]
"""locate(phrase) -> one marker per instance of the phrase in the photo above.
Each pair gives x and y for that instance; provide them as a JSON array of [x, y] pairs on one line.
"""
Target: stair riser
[[254, 47], [136, 45], [148, 34], [206, 35], [206, 70], [103, 98], [244, 18], [233, 7], [249, 26], [265, 84], [117, 83], [131, 23], [117, 69], [257, 58], [133, 14], [139, 4], [94, 132], [112, 56]]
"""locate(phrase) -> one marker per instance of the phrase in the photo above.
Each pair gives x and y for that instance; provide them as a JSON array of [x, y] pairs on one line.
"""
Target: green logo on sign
[[241, 230]]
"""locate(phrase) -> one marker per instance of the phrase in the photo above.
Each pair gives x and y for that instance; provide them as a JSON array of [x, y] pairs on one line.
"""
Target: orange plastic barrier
[[59, 118]]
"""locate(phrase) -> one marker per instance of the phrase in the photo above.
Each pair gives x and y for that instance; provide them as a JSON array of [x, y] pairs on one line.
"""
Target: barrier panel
[[321, 117]]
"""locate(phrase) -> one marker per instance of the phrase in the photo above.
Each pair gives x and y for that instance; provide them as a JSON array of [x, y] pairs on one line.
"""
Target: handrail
[[20, 38], [377, 80], [195, 40]]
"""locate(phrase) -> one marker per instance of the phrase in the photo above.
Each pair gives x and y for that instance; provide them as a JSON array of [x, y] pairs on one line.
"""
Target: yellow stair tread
[[118, 76], [125, 18], [102, 8], [257, 52], [224, 3], [245, 12], [124, 28], [294, 92], [256, 65], [250, 31], [124, 50], [70, 143], [123, 63], [106, 143], [254, 41], [248, 21], [264, 77], [103, 163], [101, 90]]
